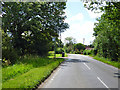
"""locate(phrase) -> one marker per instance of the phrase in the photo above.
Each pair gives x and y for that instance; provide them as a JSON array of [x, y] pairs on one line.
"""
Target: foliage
[[58, 43], [51, 55], [8, 53], [70, 40], [59, 50], [107, 30], [79, 46], [106, 60], [28, 72], [87, 52], [30, 26], [77, 51], [69, 44]]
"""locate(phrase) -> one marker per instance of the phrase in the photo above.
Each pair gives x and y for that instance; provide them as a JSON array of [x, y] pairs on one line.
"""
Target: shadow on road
[[117, 75], [77, 61], [73, 61]]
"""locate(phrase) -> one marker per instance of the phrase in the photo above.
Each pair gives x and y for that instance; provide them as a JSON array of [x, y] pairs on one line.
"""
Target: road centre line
[[87, 66], [102, 82]]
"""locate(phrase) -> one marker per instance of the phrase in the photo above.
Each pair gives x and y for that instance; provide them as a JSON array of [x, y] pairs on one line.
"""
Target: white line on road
[[102, 82], [52, 78], [86, 66]]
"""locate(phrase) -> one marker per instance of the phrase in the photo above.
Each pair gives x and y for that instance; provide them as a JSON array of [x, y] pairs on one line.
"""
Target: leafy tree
[[69, 41], [79, 46], [107, 30], [31, 25]]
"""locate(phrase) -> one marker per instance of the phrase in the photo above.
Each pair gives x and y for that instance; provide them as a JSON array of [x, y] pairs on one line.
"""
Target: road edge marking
[[102, 82], [87, 66]]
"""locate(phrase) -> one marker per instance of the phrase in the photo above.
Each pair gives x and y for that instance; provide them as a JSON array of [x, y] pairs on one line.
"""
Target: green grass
[[106, 60], [51, 54], [29, 72]]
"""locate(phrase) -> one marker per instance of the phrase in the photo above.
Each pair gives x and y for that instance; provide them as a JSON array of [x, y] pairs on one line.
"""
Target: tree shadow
[[78, 61], [117, 75], [73, 61]]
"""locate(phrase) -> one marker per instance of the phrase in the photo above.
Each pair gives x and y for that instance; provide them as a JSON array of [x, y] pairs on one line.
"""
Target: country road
[[80, 71]]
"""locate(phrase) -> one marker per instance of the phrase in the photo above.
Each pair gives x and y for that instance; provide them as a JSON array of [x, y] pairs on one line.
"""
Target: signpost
[[53, 39]]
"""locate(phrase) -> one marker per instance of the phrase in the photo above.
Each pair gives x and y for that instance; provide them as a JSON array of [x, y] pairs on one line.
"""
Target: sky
[[81, 22]]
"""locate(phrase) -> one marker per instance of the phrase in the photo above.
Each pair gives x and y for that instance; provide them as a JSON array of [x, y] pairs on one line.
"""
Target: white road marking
[[102, 82], [52, 78], [87, 66]]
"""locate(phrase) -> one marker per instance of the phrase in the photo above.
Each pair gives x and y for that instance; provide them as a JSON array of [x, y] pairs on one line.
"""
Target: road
[[80, 71]]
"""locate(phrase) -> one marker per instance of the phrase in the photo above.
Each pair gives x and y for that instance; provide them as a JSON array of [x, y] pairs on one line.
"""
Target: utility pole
[[54, 39], [55, 49], [83, 41]]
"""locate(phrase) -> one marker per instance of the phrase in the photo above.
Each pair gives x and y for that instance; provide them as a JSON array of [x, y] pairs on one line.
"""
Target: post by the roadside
[[54, 39]]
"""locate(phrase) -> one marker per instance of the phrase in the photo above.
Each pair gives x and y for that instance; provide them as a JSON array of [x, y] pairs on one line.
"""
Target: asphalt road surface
[[80, 71]]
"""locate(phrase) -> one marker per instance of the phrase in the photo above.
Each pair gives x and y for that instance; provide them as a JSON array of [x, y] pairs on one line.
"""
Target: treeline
[[28, 27], [107, 30], [71, 46]]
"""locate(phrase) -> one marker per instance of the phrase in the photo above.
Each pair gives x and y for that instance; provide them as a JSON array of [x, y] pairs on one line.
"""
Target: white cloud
[[77, 17], [80, 31]]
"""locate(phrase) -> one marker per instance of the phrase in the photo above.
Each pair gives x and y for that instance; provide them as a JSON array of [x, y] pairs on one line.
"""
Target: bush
[[88, 52], [77, 51], [59, 50], [84, 52], [81, 51], [9, 54]]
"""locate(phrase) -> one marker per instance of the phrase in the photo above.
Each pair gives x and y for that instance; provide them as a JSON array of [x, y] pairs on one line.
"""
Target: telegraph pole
[[83, 41], [54, 39]]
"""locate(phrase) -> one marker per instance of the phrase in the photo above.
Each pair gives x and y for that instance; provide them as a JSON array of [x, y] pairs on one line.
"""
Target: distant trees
[[28, 27], [79, 46], [107, 30], [69, 44]]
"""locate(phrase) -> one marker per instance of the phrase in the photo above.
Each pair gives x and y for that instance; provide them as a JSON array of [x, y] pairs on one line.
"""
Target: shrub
[[81, 51], [59, 50], [77, 51], [88, 52], [84, 52], [9, 54]]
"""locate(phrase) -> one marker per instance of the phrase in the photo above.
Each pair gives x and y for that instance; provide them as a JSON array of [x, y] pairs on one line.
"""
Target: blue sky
[[81, 22]]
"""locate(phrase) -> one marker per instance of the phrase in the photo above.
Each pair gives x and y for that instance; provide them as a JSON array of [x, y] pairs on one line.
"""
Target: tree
[[79, 46], [31, 25], [69, 41], [107, 30]]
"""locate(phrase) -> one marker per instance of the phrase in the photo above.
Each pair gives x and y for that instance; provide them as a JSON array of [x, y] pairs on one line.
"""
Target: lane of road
[[81, 71]]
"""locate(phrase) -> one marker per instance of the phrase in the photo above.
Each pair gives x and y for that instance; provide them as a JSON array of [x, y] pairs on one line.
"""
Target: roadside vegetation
[[28, 47], [107, 32], [102, 59], [51, 54], [106, 45], [28, 72], [79, 48], [28, 29]]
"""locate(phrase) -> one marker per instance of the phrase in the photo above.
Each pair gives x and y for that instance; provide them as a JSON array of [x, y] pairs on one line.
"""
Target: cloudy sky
[[81, 22]]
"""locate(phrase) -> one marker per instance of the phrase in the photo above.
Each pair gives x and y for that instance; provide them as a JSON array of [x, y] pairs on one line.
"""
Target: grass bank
[[107, 61], [28, 72], [51, 54]]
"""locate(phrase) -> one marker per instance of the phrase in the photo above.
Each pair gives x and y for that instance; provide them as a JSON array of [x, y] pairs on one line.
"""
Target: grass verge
[[106, 60], [29, 72]]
